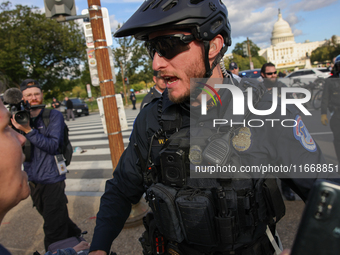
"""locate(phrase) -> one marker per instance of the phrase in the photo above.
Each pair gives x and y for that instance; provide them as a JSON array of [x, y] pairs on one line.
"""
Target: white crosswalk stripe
[[91, 163]]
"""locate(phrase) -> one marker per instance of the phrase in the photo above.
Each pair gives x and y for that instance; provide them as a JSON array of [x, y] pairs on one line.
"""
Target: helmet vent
[[148, 5], [156, 4], [169, 5], [196, 1]]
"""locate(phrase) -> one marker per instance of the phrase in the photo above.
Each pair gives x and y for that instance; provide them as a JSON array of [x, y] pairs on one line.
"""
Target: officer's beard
[[269, 83], [195, 70]]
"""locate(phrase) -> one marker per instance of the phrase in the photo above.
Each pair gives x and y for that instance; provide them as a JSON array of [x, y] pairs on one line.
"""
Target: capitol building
[[284, 52]]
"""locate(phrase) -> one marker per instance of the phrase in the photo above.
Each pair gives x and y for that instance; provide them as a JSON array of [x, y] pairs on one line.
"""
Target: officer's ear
[[216, 45], [154, 79]]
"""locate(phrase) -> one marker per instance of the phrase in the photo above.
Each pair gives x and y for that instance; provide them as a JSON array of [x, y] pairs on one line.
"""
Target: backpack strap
[[46, 116]]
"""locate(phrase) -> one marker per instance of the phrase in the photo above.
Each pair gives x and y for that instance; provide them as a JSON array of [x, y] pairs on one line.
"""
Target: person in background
[[55, 104], [133, 99], [233, 68], [13, 181], [270, 80], [331, 101], [156, 91], [69, 106], [46, 183]]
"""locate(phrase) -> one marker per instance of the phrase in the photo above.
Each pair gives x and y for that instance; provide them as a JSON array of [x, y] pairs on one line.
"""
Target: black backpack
[[66, 148]]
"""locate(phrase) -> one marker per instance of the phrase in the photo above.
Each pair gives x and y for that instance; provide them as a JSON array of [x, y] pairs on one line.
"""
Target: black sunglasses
[[169, 46], [271, 73]]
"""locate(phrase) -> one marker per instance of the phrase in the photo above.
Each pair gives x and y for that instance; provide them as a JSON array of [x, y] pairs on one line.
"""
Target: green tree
[[132, 55], [254, 49], [326, 52], [85, 79], [36, 47], [243, 62]]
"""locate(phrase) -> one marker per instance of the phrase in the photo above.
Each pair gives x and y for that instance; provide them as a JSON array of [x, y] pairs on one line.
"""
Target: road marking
[[86, 132], [101, 151], [91, 185], [88, 128], [90, 165], [95, 142], [79, 137]]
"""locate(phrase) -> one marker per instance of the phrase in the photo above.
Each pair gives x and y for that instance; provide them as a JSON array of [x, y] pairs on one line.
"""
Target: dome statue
[[282, 32]]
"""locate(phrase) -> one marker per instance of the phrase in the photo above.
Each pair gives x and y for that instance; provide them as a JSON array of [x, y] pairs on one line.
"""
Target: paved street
[[91, 166]]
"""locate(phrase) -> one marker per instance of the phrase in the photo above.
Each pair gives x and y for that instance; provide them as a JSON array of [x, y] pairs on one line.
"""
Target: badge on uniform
[[303, 136], [195, 155], [242, 140]]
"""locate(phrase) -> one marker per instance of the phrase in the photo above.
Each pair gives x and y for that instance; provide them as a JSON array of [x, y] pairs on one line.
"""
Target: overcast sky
[[313, 20]]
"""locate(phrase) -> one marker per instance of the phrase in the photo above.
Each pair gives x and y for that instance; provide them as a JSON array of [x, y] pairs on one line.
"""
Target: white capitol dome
[[282, 33]]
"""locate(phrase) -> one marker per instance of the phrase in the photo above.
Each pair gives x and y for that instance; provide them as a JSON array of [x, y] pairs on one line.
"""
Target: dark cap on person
[[232, 66], [29, 83], [155, 73]]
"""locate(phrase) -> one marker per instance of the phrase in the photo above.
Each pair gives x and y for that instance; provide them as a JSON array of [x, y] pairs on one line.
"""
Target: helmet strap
[[209, 70]]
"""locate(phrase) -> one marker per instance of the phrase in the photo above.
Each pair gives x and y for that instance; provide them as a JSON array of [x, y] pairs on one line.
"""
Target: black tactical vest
[[216, 213]]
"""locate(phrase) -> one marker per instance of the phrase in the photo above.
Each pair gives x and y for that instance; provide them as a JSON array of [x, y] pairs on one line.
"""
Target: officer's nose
[[158, 62]]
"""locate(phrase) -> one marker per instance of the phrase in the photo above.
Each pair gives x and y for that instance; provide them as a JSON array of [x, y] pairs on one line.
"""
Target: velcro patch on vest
[[159, 142], [242, 140], [303, 136]]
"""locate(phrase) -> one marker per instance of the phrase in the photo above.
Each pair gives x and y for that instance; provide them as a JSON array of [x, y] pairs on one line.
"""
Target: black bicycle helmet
[[208, 18], [205, 19]]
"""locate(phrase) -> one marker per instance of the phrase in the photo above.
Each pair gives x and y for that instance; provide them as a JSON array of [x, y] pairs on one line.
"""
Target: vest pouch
[[196, 212], [162, 202], [226, 229]]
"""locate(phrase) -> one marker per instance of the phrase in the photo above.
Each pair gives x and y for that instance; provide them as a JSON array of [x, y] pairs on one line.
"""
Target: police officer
[[331, 100], [156, 91], [187, 39], [133, 99], [270, 80]]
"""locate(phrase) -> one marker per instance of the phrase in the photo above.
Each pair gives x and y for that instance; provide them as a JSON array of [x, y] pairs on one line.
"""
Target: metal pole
[[124, 87], [249, 54], [106, 82]]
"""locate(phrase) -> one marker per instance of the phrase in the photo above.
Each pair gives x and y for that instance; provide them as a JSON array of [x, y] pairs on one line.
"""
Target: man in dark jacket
[[156, 91], [47, 185], [133, 99], [270, 80], [331, 101], [69, 106]]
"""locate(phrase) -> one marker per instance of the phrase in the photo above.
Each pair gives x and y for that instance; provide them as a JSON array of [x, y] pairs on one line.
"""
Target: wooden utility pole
[[109, 101], [106, 82]]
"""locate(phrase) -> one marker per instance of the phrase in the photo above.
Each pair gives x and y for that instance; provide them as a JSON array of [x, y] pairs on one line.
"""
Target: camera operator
[[47, 185], [14, 186]]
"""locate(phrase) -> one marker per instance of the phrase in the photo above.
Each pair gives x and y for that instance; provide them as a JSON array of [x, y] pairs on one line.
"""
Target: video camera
[[19, 108]]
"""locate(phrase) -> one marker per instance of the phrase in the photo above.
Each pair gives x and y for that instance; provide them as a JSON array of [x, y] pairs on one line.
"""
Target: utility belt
[[206, 217], [153, 242]]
